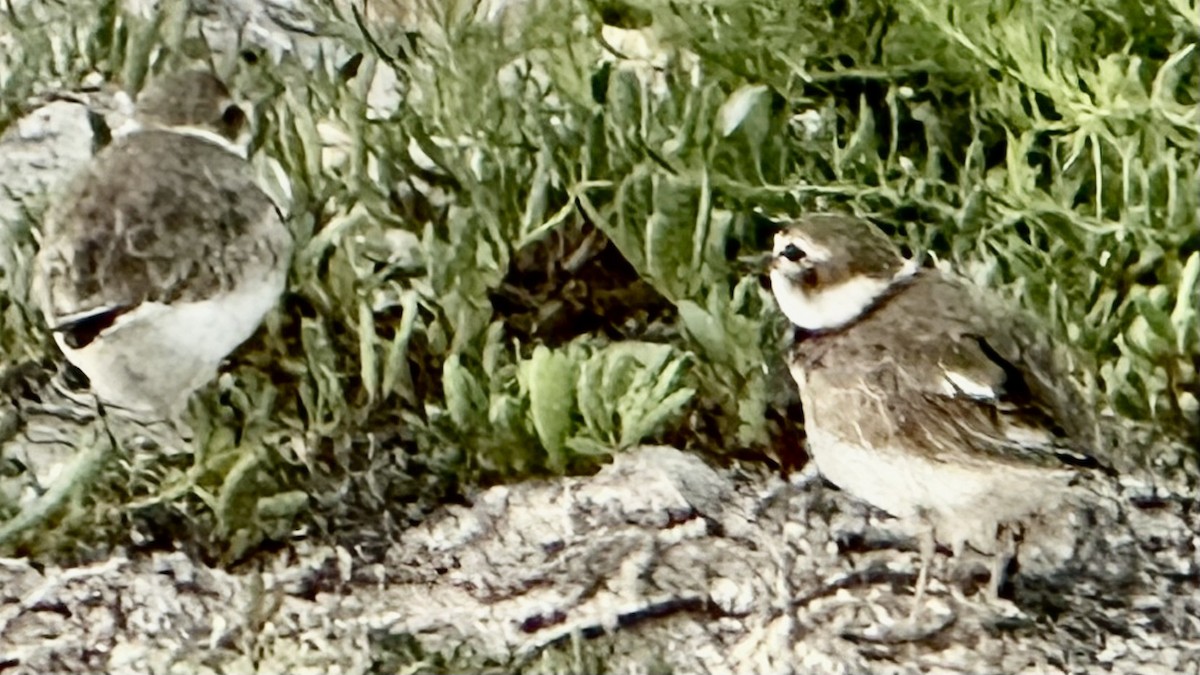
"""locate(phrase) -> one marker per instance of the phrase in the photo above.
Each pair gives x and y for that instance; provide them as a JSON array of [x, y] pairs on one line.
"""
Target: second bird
[[921, 397], [163, 255]]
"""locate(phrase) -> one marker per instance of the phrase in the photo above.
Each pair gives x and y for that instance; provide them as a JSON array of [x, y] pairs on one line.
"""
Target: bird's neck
[[899, 283]]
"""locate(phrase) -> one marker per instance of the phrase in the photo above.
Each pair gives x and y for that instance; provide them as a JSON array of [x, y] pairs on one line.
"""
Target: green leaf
[[368, 366], [745, 107], [465, 399], [549, 377], [589, 447], [1184, 318], [325, 403], [235, 506], [752, 411], [397, 375], [705, 330], [669, 377], [597, 416], [645, 424], [136, 59], [283, 505], [1153, 319], [661, 264], [494, 349], [863, 142], [619, 368]]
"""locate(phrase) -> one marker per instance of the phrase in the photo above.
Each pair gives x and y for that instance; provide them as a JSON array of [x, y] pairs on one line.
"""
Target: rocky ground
[[657, 564]]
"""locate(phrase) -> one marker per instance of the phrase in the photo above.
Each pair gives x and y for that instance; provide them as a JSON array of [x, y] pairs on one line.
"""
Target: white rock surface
[[37, 152], [657, 559]]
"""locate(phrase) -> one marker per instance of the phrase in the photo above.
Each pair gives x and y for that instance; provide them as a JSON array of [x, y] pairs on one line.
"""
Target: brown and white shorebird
[[920, 396], [163, 255]]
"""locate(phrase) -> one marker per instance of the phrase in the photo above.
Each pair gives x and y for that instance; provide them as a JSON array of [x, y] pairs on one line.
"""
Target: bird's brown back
[[901, 348], [182, 233]]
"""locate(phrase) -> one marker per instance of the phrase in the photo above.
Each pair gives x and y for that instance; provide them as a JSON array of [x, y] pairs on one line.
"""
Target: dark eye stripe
[[792, 252]]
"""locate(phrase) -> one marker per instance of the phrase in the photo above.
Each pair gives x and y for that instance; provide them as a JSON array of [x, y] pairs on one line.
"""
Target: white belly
[[152, 358], [964, 501]]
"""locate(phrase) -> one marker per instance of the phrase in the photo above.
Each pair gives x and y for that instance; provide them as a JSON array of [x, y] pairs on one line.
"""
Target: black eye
[[792, 252], [233, 117]]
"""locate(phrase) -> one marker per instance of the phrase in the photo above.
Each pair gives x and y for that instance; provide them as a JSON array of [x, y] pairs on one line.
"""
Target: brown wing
[[156, 217], [968, 380]]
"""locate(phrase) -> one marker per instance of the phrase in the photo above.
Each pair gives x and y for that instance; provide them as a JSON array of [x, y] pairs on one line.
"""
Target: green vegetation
[[579, 212]]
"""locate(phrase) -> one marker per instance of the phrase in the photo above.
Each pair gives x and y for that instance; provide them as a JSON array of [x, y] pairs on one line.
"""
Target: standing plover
[[163, 255], [919, 397]]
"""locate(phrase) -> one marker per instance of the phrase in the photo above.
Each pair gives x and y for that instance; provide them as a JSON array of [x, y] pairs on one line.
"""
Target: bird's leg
[[1004, 556], [928, 548], [162, 431], [923, 621], [183, 430], [170, 432]]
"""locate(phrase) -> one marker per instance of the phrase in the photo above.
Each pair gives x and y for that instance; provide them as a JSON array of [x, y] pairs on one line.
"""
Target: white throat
[[835, 306], [239, 147]]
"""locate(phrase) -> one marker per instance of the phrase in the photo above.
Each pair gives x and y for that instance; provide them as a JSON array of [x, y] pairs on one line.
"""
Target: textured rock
[[656, 559]]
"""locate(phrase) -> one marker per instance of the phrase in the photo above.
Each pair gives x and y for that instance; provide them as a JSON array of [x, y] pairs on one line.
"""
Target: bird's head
[[190, 99], [827, 270]]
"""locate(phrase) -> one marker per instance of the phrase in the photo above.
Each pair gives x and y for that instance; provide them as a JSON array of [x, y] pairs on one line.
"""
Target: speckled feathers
[[163, 254], [921, 396]]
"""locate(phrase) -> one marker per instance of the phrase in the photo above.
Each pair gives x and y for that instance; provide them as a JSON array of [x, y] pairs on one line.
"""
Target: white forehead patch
[[812, 250]]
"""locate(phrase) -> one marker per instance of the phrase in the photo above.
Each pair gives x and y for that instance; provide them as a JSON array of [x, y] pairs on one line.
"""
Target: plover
[[163, 255], [920, 397]]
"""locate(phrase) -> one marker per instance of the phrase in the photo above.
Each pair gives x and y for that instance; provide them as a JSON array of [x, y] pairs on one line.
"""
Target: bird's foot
[[925, 621]]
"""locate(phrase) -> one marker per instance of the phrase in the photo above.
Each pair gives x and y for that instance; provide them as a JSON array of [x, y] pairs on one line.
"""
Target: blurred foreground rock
[[658, 562]]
